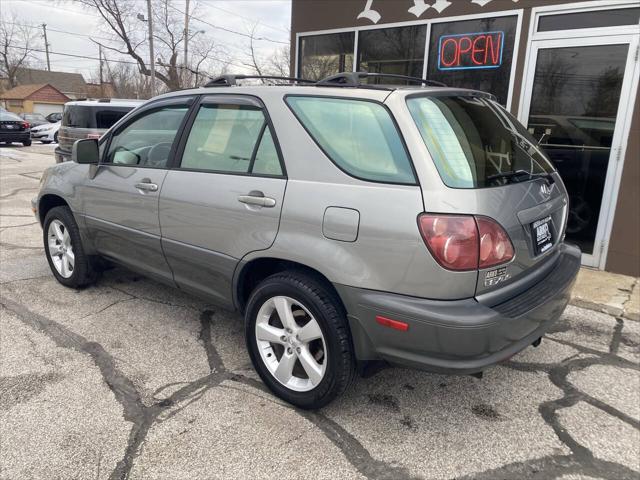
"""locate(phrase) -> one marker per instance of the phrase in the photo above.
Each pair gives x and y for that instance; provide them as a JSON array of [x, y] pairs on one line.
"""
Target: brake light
[[25, 125], [465, 242], [495, 245]]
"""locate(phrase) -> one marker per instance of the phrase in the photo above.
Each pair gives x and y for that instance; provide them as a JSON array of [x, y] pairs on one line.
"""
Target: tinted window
[[474, 54], [89, 116], [324, 55], [223, 138], [358, 136], [595, 19], [392, 50], [267, 161], [147, 140], [473, 140]]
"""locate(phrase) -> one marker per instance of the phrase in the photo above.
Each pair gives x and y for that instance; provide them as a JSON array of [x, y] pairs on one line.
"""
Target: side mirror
[[85, 151]]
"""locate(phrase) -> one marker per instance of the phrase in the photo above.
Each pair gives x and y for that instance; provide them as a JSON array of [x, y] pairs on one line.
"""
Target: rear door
[[121, 199], [223, 198]]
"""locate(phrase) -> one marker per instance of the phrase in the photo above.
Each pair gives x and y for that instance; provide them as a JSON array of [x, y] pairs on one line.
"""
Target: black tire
[[322, 303], [46, 142], [83, 273], [55, 137], [27, 143]]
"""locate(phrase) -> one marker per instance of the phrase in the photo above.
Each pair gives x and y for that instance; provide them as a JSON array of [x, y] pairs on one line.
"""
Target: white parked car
[[46, 133]]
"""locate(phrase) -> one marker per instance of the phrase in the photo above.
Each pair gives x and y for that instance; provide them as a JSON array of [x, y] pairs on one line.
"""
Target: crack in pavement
[[16, 191], [581, 461]]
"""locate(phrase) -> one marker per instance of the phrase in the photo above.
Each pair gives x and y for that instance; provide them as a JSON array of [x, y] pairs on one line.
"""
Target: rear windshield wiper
[[519, 174]]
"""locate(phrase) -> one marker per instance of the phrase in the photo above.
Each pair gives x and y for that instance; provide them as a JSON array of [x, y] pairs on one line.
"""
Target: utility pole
[[186, 41], [151, 55], [46, 45], [101, 77]]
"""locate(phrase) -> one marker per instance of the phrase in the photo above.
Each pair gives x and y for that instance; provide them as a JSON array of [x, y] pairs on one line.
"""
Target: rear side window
[[474, 141], [359, 136], [231, 139], [90, 116]]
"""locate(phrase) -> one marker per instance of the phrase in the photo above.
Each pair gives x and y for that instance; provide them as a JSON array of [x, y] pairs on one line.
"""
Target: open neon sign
[[469, 51]]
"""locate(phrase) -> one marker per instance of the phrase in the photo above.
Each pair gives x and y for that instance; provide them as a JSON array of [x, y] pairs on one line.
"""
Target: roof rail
[[352, 79], [230, 80]]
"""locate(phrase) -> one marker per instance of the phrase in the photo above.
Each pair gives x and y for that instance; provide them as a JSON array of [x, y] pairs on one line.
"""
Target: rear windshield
[[474, 142], [8, 117], [91, 116]]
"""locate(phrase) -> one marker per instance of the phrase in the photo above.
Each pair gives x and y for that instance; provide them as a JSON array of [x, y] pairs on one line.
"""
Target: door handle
[[258, 199], [147, 186]]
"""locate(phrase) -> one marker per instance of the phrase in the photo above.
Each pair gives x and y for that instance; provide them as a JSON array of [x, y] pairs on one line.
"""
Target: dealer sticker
[[494, 277]]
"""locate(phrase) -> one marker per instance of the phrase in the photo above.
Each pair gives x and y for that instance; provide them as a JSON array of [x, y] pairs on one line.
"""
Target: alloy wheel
[[291, 343], [60, 248]]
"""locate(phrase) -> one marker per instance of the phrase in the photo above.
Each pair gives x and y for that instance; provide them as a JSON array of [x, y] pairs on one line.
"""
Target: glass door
[[573, 107]]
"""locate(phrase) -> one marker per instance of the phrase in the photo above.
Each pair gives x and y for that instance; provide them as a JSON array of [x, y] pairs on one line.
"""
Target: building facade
[[42, 98], [567, 70]]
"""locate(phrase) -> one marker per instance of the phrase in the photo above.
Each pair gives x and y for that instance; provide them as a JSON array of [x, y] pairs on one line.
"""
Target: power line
[[246, 35], [246, 18], [86, 57]]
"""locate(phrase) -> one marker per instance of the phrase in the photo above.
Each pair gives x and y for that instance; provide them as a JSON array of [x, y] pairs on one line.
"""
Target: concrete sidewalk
[[617, 295]]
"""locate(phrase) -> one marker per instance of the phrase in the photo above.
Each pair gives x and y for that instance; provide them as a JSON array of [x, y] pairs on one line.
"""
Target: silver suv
[[350, 223]]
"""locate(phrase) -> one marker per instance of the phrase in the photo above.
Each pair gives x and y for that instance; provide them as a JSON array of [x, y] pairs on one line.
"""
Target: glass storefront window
[[473, 54], [595, 19], [324, 55], [392, 50]]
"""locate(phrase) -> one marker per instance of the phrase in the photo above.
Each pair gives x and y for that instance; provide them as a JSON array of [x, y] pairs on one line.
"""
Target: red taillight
[[495, 246], [25, 125], [464, 242]]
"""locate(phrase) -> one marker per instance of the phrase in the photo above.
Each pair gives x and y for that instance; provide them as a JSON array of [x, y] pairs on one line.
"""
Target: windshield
[[474, 142], [34, 116]]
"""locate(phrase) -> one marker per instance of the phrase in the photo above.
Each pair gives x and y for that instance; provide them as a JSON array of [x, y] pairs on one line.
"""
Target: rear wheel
[[298, 339], [27, 143], [63, 246]]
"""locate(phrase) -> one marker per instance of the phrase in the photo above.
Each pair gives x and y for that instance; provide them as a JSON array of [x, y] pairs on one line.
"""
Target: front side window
[[231, 139], [147, 140], [359, 136], [476, 143]]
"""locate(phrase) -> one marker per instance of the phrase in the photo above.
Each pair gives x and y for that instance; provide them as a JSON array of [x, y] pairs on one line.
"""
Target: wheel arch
[[249, 274], [47, 202]]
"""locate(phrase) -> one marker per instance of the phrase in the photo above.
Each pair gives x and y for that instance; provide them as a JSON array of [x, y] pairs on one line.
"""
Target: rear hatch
[[87, 121], [491, 167]]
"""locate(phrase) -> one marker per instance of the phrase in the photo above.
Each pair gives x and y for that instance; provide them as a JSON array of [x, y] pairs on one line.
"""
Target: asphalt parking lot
[[130, 379]]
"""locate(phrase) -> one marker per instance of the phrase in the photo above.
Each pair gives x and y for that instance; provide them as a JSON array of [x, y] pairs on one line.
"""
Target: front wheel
[[63, 246], [298, 339]]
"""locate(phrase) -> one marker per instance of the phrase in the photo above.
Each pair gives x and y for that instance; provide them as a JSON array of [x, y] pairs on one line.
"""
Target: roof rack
[[230, 80], [352, 79]]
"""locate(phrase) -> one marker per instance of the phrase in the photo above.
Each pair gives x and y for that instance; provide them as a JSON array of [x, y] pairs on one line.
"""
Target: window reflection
[[398, 51], [324, 55]]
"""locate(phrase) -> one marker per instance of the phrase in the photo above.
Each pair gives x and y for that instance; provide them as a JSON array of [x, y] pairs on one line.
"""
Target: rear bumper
[[15, 136], [459, 336]]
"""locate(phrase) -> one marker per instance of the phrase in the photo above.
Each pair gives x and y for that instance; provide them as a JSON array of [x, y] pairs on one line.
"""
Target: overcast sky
[[273, 16]]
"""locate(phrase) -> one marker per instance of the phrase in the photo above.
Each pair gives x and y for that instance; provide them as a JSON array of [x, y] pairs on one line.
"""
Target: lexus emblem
[[545, 189]]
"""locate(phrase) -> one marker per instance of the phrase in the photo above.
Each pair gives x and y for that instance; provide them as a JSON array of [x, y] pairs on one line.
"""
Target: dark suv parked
[[89, 119]]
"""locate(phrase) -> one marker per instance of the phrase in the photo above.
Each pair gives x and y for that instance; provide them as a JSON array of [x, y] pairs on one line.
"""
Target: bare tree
[[17, 44], [122, 21], [276, 64]]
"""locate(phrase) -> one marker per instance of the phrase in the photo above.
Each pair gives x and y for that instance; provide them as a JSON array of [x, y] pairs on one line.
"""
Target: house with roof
[[37, 98], [72, 85]]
